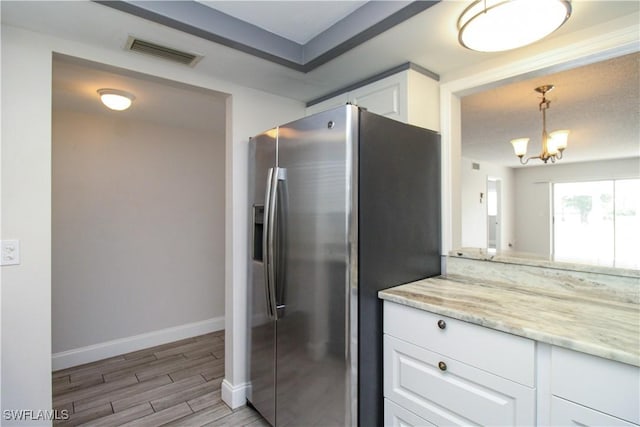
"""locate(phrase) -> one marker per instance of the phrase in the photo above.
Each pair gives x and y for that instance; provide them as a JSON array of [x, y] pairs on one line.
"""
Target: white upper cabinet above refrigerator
[[408, 96]]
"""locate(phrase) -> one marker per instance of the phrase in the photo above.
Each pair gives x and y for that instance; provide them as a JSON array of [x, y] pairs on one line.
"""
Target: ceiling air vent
[[164, 52]]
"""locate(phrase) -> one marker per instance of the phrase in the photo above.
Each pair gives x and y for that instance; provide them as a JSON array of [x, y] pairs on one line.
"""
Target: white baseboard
[[91, 353], [234, 396]]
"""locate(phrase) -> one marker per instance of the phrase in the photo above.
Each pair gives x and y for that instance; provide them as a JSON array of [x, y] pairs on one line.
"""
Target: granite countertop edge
[[501, 324]]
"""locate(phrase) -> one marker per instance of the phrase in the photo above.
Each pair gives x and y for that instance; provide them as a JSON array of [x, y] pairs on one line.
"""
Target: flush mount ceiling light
[[553, 144], [115, 99], [497, 25]]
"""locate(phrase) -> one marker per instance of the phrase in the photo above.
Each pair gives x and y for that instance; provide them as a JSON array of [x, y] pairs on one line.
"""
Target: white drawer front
[[460, 395], [565, 413], [397, 416], [500, 353], [604, 385]]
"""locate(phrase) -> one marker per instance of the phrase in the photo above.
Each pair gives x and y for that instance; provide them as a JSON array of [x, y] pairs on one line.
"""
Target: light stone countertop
[[580, 321], [520, 258]]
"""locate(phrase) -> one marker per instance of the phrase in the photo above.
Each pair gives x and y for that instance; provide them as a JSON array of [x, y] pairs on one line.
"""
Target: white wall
[[26, 215], [533, 196], [137, 229], [474, 211], [26, 203]]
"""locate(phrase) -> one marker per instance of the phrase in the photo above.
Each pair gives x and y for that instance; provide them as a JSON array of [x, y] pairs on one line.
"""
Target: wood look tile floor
[[175, 384]]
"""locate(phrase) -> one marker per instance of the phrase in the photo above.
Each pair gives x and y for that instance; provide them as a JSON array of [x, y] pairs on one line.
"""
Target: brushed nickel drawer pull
[[442, 324], [442, 366]]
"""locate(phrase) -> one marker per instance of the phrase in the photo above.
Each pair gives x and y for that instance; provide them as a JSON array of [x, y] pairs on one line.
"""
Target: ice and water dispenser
[[258, 227]]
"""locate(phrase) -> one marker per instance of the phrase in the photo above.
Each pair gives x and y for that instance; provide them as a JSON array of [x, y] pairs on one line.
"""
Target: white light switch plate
[[10, 252]]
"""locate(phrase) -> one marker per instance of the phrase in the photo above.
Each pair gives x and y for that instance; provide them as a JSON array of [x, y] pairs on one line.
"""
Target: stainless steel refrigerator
[[343, 203]]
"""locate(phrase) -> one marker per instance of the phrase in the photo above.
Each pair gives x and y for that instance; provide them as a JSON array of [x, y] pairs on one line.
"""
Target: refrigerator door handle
[[267, 237], [270, 227], [281, 251]]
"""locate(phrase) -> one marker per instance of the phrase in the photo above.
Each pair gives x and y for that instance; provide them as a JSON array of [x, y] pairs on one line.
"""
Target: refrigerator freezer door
[[399, 233], [313, 368], [261, 394]]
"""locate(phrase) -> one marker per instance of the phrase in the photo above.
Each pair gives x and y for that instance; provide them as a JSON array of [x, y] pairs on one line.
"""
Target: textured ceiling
[[599, 103]]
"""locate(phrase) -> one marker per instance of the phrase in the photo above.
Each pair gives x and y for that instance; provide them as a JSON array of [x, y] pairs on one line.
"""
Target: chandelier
[[553, 144], [497, 25]]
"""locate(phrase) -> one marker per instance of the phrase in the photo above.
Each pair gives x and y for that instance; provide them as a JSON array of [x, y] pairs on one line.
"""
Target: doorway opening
[[138, 212], [494, 213]]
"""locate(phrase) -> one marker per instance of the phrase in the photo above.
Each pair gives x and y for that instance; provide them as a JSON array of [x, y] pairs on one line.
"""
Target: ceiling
[[336, 26], [599, 103], [75, 83], [295, 20], [428, 39]]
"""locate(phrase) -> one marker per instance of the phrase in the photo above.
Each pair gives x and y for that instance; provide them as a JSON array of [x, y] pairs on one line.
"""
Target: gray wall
[[137, 227]]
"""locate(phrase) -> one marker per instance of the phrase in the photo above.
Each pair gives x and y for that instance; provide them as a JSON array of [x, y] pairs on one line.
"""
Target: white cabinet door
[[605, 385], [445, 391], [397, 416], [407, 96], [386, 97], [565, 413]]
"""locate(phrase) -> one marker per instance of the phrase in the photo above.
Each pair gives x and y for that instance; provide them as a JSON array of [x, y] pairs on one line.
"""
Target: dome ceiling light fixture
[[498, 25], [115, 99], [553, 144]]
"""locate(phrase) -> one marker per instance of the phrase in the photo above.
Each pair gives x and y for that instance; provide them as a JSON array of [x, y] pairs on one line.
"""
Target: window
[[597, 222]]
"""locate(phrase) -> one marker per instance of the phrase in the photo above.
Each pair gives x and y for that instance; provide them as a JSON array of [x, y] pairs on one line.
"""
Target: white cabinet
[[565, 413], [407, 96], [506, 355], [589, 390], [396, 416], [386, 97], [448, 372], [443, 371]]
